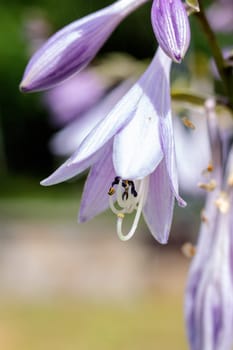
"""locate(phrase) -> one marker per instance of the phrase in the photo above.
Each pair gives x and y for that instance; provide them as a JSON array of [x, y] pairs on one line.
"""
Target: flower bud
[[171, 27], [72, 48]]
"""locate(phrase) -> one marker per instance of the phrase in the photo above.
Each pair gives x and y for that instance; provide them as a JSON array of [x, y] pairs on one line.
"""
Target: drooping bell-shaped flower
[[151, 196], [171, 27], [138, 133], [209, 302], [73, 47]]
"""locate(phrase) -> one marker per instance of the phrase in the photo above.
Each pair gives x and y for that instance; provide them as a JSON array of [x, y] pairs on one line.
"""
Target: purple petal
[[90, 149], [167, 142], [73, 47], [209, 302], [67, 170], [118, 118], [137, 149], [69, 139], [95, 197], [158, 210], [171, 27]]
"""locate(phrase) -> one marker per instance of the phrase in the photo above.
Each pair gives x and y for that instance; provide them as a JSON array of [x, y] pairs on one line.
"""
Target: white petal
[[126, 108], [69, 139], [167, 141], [137, 149], [121, 114]]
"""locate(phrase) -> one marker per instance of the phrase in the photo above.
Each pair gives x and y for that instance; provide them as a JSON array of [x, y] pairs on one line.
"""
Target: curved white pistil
[[128, 204]]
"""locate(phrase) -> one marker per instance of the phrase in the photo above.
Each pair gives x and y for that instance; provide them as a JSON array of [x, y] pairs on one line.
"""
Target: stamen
[[210, 186], [230, 180], [203, 216], [206, 172], [128, 199], [222, 203], [188, 249], [111, 191], [188, 123], [122, 203], [210, 167], [125, 196]]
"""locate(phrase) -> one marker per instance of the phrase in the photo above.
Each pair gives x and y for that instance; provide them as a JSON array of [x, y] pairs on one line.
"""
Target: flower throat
[[129, 196]]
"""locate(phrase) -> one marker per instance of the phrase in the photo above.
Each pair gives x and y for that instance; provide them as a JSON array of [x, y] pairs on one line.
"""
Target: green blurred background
[[66, 286]]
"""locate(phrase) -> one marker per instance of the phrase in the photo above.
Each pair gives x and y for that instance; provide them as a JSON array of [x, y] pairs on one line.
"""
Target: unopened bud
[[171, 27]]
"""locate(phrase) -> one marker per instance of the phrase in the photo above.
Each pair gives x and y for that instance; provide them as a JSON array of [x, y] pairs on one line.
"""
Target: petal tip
[[47, 182], [44, 182], [82, 218], [177, 58], [163, 240], [181, 203], [23, 87]]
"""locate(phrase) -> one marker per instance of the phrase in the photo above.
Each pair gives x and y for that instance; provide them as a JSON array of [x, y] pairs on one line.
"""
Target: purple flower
[[73, 47], [135, 140], [151, 196], [171, 27], [209, 301]]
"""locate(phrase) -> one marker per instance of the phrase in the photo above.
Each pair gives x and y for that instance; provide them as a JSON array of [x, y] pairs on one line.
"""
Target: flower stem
[[198, 100], [217, 54]]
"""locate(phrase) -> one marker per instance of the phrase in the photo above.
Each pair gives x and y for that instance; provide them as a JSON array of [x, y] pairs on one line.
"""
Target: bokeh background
[[66, 286]]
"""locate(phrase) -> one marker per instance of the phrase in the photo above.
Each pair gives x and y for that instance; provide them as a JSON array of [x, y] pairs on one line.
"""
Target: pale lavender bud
[[209, 302], [73, 47], [171, 27]]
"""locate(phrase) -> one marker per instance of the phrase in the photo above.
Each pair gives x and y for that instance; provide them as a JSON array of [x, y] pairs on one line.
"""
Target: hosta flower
[[209, 302], [151, 196], [73, 47], [171, 27], [138, 132]]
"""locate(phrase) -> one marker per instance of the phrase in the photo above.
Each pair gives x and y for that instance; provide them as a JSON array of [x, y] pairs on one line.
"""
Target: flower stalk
[[217, 54]]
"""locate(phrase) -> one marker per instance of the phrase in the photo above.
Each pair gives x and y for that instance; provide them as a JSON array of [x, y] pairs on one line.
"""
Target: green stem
[[3, 166], [217, 54], [198, 100]]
